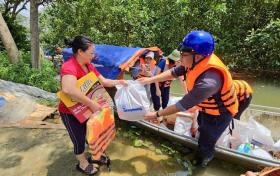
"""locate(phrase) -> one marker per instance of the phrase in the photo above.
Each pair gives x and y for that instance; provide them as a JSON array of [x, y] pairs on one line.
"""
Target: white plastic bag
[[261, 136], [259, 152], [276, 146], [224, 139], [240, 134], [183, 126], [131, 101], [173, 100]]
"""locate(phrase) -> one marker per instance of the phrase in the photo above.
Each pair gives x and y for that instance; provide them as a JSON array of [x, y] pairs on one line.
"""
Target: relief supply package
[[132, 101], [183, 126]]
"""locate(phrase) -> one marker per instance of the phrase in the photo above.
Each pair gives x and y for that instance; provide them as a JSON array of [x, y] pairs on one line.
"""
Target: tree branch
[[43, 2], [22, 8], [14, 7], [6, 7]]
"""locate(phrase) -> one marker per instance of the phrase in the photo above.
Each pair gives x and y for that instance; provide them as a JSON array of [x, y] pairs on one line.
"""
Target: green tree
[[10, 10], [262, 48], [160, 23]]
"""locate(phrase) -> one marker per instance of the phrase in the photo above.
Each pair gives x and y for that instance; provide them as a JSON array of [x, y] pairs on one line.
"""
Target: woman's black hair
[[79, 42]]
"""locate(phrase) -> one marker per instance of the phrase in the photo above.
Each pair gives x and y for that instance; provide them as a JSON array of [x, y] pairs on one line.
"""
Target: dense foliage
[[23, 73], [262, 48], [19, 33], [164, 23]]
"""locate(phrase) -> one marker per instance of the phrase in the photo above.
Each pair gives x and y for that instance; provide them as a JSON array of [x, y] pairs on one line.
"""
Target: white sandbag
[[183, 126], [261, 136], [131, 101]]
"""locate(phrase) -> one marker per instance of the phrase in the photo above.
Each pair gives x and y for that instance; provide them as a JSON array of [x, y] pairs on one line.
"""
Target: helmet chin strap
[[195, 63]]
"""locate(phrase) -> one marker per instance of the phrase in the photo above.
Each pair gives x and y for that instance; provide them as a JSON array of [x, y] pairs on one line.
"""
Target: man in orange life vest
[[210, 88]]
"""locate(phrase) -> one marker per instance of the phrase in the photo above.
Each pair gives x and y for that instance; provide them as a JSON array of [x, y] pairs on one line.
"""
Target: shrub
[[261, 49], [23, 73]]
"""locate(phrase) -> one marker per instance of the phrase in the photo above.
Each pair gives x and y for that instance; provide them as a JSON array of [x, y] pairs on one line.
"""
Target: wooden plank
[[33, 124], [41, 113]]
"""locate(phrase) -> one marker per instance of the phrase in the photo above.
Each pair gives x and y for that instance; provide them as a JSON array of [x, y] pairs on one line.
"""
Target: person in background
[[146, 66], [75, 68], [58, 50], [244, 95], [210, 89], [57, 58], [160, 91]]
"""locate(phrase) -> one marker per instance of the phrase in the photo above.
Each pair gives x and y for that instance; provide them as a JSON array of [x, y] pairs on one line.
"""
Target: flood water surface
[[265, 93]]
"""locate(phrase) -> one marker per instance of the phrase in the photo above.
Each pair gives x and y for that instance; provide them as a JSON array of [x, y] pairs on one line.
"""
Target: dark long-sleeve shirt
[[206, 85]]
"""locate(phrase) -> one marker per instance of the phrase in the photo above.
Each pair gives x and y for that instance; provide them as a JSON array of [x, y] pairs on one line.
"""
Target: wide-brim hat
[[175, 55]]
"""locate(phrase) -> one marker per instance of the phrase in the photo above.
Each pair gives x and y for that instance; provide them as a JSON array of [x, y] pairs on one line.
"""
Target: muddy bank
[[49, 152]]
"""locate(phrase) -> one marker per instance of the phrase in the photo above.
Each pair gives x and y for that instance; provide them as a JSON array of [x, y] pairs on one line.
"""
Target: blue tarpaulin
[[2, 101], [108, 58]]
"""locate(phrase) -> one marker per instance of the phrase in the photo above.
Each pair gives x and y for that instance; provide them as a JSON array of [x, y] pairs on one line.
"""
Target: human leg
[[165, 96], [77, 133], [210, 128], [155, 98]]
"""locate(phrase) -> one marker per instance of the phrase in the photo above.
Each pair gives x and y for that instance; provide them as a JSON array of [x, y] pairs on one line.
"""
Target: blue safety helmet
[[198, 42]]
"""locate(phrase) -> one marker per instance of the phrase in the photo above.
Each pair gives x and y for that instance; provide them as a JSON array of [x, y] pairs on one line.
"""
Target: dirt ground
[[48, 152]]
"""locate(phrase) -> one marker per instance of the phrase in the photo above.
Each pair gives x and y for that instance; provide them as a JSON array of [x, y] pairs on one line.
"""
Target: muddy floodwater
[[49, 153]]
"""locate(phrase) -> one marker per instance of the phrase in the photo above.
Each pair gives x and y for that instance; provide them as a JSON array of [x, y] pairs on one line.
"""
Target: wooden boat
[[268, 116]]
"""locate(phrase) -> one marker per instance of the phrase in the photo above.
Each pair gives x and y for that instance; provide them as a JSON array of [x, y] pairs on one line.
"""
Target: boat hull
[[242, 159]]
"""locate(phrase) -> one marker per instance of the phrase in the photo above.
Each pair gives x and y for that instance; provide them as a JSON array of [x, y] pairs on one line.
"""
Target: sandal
[[95, 165], [104, 160], [88, 170]]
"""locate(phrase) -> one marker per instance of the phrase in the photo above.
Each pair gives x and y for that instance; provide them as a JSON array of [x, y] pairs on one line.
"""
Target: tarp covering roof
[[111, 60]]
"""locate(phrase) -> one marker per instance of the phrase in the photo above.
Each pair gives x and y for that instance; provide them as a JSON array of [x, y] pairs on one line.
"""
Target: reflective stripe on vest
[[100, 132], [243, 89], [226, 99]]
